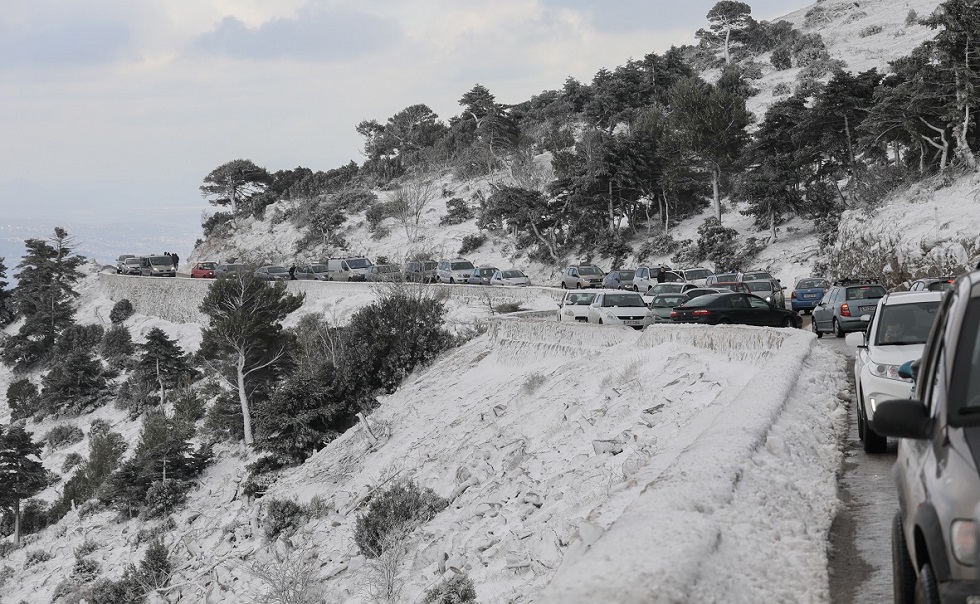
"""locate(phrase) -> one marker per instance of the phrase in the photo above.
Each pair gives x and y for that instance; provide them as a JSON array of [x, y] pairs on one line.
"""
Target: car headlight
[[886, 371], [963, 539]]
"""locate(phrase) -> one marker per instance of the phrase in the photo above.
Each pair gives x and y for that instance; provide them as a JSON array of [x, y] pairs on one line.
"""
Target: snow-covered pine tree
[[21, 472]]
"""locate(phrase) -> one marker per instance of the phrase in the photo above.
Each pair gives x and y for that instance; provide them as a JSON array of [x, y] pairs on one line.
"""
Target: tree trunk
[[17, 521], [243, 399], [715, 178], [850, 145], [772, 224], [728, 35], [163, 392], [547, 244], [666, 213], [963, 150]]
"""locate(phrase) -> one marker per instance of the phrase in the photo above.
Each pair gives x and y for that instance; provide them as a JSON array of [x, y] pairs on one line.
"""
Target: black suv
[[934, 533], [841, 308]]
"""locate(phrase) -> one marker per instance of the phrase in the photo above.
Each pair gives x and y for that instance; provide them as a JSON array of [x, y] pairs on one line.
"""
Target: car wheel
[[873, 442], [859, 411], [723, 322], [787, 322], [926, 590], [813, 327], [837, 329], [903, 573]]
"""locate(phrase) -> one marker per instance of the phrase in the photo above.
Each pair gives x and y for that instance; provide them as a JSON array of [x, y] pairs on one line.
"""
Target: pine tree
[[21, 473], [6, 312], [44, 297], [162, 361], [245, 336]]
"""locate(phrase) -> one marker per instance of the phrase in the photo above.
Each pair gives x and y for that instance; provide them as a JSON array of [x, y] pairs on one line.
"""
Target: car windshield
[[589, 270], [276, 269], [208, 266], [756, 275], [905, 323], [461, 266], [132, 261], [161, 260], [696, 273], [353, 263], [429, 265], [759, 286], [623, 300], [866, 292], [487, 272], [667, 301], [579, 299], [812, 284], [511, 274]]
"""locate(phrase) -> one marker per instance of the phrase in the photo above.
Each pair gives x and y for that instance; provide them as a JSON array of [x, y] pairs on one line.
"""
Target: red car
[[203, 270]]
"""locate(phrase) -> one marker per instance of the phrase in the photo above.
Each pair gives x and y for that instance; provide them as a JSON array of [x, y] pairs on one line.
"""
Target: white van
[[347, 269]]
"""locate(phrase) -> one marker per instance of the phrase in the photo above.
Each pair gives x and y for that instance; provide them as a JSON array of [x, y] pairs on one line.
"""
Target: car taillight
[[793, 295], [701, 313], [844, 310], [674, 313]]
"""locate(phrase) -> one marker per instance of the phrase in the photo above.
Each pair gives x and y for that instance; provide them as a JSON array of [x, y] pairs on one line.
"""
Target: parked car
[[618, 279], [934, 531], [662, 304], [769, 290], [703, 291], [574, 306], [698, 276], [718, 278], [734, 286], [481, 275], [582, 276], [388, 273], [272, 272], [157, 266], [616, 307], [228, 269], [352, 268], [456, 270], [311, 272], [121, 263], [733, 307], [203, 270], [646, 277], [131, 266], [896, 334], [840, 309], [676, 287], [932, 284], [757, 275], [510, 276], [807, 293], [421, 271]]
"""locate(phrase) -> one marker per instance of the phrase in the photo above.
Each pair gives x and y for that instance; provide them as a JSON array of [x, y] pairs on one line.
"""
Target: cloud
[[315, 34], [63, 40]]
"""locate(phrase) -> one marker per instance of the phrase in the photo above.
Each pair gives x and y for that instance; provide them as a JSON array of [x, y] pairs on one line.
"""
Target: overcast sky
[[114, 109]]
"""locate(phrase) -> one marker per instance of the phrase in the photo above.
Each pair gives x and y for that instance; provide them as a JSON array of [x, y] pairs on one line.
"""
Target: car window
[[865, 292], [357, 263], [905, 323], [589, 270], [508, 274], [940, 286], [623, 300], [759, 303], [696, 273], [964, 390], [759, 286]]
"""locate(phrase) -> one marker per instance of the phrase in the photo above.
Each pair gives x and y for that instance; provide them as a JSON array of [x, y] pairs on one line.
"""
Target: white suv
[[456, 270], [897, 334]]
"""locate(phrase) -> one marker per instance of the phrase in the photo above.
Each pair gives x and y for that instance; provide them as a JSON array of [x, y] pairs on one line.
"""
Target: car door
[[823, 312], [762, 313]]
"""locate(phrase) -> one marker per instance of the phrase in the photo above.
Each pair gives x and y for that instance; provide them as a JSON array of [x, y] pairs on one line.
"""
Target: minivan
[[348, 269], [157, 266]]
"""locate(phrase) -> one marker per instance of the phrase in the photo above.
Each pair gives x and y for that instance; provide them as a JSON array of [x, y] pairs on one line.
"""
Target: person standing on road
[[292, 273], [176, 260], [662, 274]]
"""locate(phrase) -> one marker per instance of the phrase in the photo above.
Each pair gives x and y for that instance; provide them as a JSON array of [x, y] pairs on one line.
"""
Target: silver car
[[582, 276], [511, 276], [617, 307], [272, 273], [768, 289], [312, 272], [841, 308]]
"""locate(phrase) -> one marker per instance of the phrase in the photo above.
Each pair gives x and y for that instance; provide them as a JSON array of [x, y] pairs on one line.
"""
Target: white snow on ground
[[579, 460]]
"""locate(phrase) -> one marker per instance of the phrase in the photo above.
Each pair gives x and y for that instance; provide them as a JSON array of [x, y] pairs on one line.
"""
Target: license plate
[[633, 322], [867, 309], [811, 296]]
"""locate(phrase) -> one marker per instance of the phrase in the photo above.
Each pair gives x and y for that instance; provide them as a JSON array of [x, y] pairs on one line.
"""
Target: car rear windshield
[[866, 292], [759, 286], [812, 284], [461, 266], [696, 273], [589, 270], [623, 300], [358, 263], [756, 275]]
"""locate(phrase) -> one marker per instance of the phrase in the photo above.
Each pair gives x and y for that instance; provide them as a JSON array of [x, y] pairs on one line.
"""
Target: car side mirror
[[902, 418], [909, 369], [855, 339]]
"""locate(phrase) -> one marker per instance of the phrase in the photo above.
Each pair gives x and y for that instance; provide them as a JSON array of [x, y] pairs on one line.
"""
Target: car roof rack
[[856, 281]]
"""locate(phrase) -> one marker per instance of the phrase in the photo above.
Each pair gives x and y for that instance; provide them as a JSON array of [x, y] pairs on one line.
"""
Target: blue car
[[807, 293]]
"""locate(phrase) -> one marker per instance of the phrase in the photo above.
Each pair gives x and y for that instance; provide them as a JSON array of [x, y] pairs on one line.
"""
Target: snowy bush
[[870, 31], [35, 556], [911, 18], [781, 58], [457, 589], [23, 399], [63, 436], [457, 212], [164, 496], [117, 345], [471, 243], [282, 517], [87, 547], [121, 311], [718, 243], [85, 570], [6, 546], [5, 572], [394, 512]]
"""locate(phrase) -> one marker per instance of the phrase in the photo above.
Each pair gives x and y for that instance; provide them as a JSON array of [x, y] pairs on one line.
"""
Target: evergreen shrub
[[63, 436], [121, 310], [457, 589], [282, 517], [394, 512]]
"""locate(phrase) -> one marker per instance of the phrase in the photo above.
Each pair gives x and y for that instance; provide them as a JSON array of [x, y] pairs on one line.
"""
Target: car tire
[[723, 322], [838, 331], [873, 442], [926, 589], [859, 411], [903, 573], [813, 327]]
